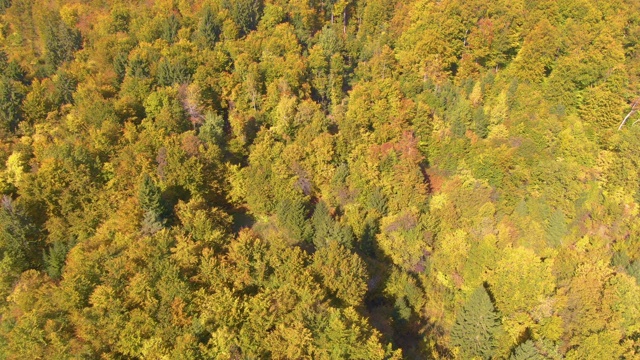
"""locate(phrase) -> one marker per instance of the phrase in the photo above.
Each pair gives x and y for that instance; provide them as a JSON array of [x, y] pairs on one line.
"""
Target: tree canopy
[[287, 179]]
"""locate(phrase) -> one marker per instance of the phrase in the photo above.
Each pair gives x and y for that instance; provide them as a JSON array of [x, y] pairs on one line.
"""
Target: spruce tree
[[164, 74], [292, 218], [209, 27], [150, 202], [170, 29], [475, 327], [556, 229], [322, 224], [11, 98], [526, 351]]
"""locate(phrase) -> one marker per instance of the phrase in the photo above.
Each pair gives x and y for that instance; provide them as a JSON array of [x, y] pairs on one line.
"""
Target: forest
[[320, 179]]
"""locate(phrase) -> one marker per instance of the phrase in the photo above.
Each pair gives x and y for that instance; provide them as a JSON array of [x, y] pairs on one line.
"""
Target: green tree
[[292, 216], [245, 13], [476, 327], [4, 5], [11, 96], [37, 103], [151, 204], [556, 228], [209, 27], [19, 244], [322, 223], [60, 42], [65, 85], [170, 28], [526, 351]]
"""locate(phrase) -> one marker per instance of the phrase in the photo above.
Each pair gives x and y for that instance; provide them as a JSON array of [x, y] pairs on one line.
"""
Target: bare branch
[[634, 109]]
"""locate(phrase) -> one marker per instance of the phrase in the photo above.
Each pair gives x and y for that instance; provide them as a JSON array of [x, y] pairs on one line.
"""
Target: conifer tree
[[170, 28], [292, 217], [209, 27], [151, 204], [557, 228], [11, 98], [476, 326], [322, 224], [526, 351]]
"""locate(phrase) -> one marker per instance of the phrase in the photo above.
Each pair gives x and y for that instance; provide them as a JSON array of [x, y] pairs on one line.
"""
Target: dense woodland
[[319, 179]]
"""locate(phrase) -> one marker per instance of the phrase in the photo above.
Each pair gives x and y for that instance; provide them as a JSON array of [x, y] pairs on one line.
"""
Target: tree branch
[[634, 109]]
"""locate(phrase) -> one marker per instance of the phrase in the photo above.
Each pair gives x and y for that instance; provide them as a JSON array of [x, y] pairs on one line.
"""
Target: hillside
[[322, 179]]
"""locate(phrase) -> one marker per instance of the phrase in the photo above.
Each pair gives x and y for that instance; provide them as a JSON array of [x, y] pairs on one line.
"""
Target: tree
[[634, 109], [322, 223], [150, 202], [37, 103], [4, 5], [292, 216], [170, 28], [19, 244], [212, 129], [65, 85], [342, 272], [60, 42], [521, 281], [342, 330], [526, 351], [11, 96], [245, 13], [209, 27], [557, 228], [476, 326]]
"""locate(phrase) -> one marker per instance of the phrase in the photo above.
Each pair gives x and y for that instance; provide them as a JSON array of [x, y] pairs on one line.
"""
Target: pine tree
[[292, 217], [245, 13], [526, 351], [11, 98], [475, 327], [120, 62], [55, 258], [322, 224], [556, 229], [164, 74], [4, 60], [170, 29], [65, 85], [212, 129], [150, 202], [60, 42], [209, 27]]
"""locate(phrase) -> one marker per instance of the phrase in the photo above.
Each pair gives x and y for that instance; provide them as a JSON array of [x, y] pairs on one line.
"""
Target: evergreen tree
[[170, 28], [209, 27], [164, 74], [120, 62], [55, 257], [19, 245], [556, 229], [65, 86], [291, 216], [16, 72], [322, 223], [4, 61], [60, 42], [245, 13], [526, 351], [151, 204], [476, 326], [212, 129], [11, 97]]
